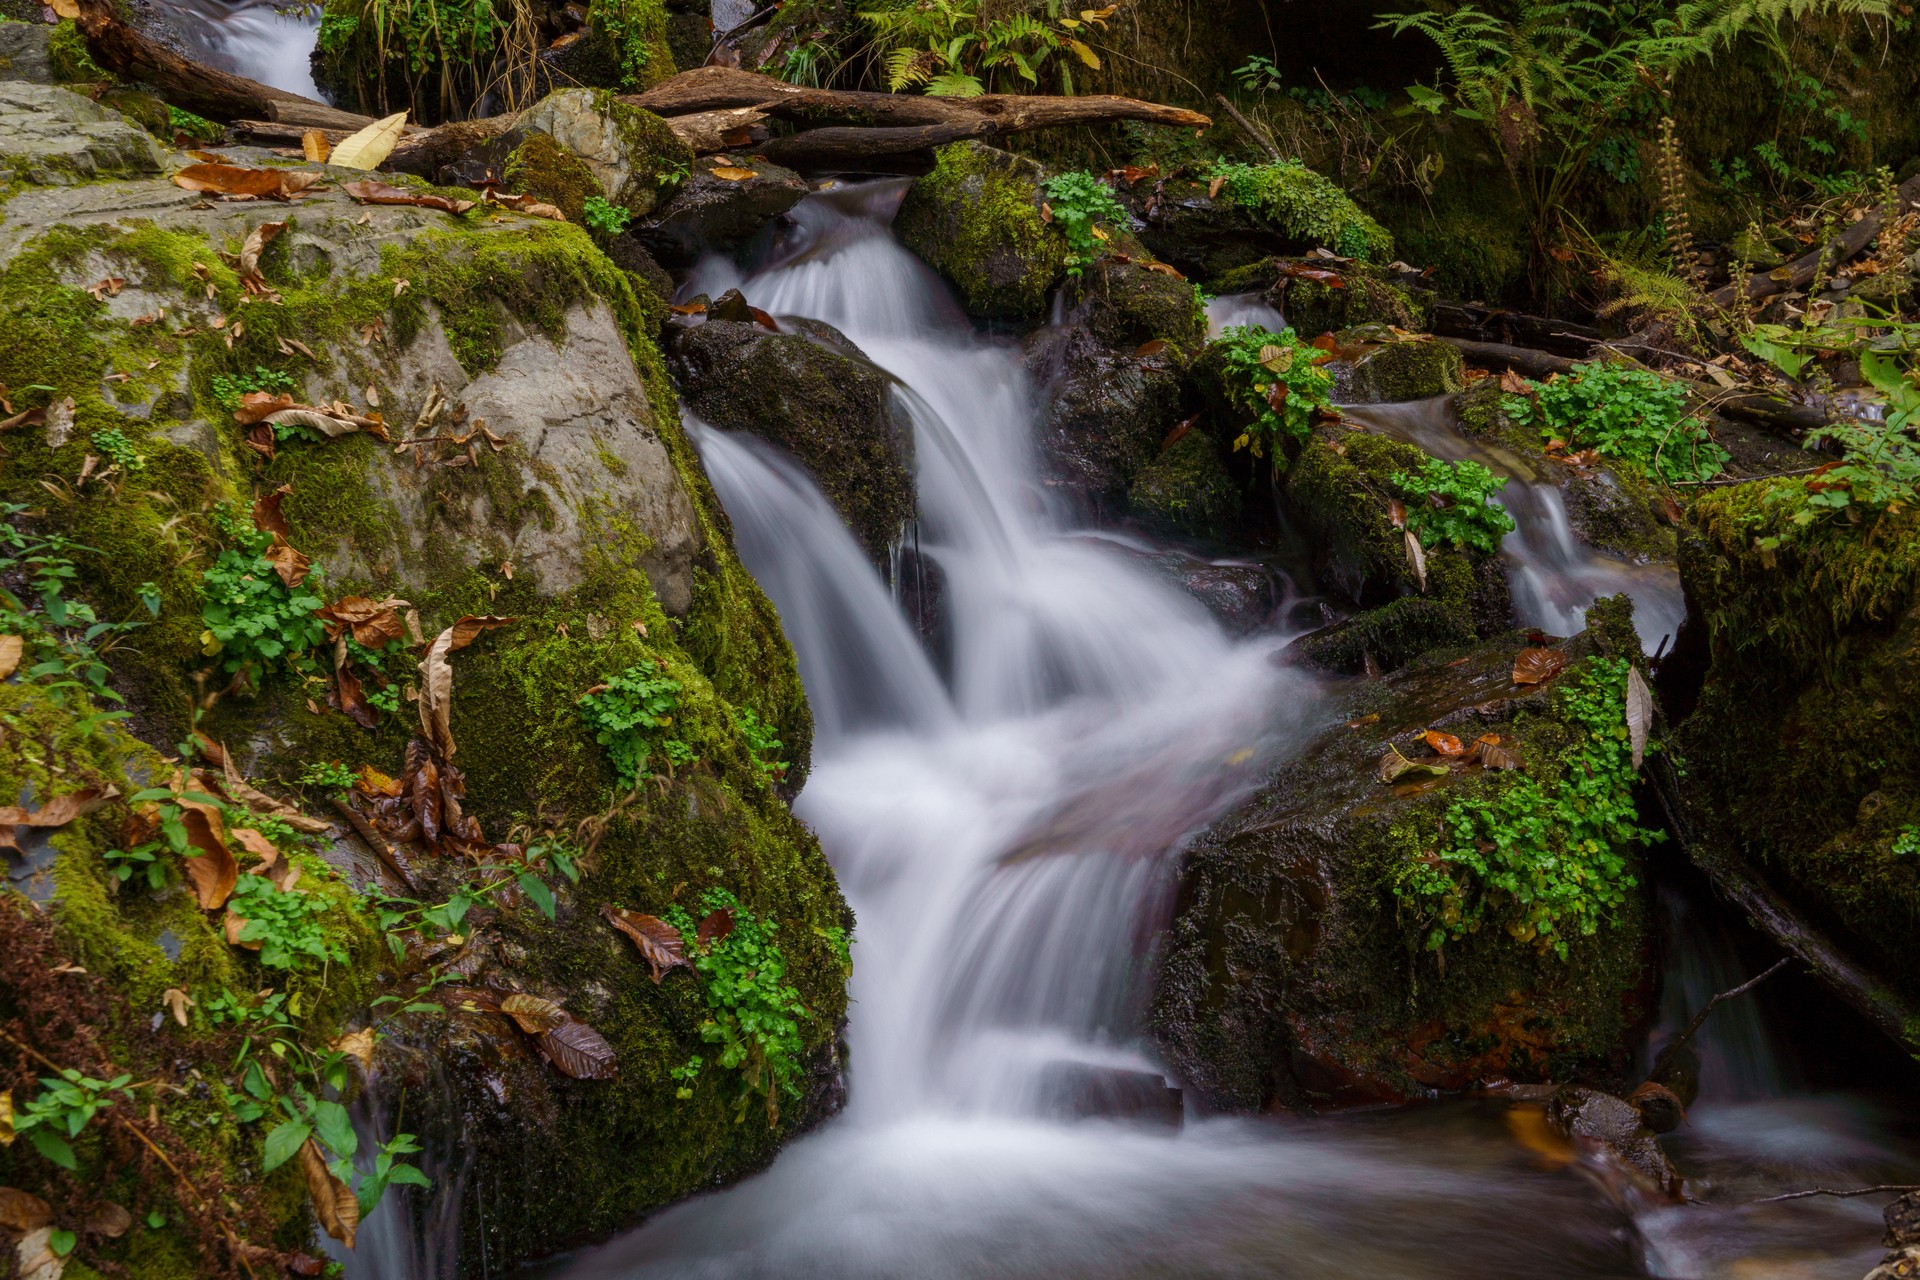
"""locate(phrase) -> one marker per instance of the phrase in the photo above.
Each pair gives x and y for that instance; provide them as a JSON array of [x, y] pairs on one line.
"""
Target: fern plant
[[945, 48]]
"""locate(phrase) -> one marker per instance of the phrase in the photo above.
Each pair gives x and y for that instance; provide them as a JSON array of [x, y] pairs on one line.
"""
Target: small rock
[[1903, 1222], [55, 137], [710, 214]]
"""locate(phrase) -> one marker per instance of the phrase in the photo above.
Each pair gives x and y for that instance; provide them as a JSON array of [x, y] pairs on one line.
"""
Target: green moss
[[1397, 370], [1304, 206], [71, 60], [976, 220], [544, 169], [1186, 491], [1365, 296], [633, 36]]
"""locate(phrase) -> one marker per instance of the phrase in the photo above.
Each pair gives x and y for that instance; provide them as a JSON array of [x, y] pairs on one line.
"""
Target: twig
[[1771, 475], [1258, 134], [375, 842], [1700, 1018], [1838, 1195]]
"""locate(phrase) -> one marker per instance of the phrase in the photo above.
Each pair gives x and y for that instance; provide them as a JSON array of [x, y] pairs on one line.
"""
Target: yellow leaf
[[1085, 54], [7, 1134], [64, 8], [11, 647], [731, 174], [371, 145], [314, 145]]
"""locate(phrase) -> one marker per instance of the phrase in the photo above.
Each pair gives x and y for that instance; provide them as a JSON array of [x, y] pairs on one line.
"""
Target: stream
[[1006, 834]]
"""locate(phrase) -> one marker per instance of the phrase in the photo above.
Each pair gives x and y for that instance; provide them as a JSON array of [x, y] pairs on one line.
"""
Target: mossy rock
[[1107, 414], [1187, 492], [830, 409], [50, 135], [1128, 304], [976, 220], [1801, 758], [632, 154], [710, 214], [70, 59], [1289, 209], [545, 170], [1390, 369], [1294, 977], [580, 509]]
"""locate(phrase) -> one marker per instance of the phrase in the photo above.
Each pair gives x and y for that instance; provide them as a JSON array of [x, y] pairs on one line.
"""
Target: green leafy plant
[[254, 619], [229, 387], [329, 775], [1079, 202], [1258, 75], [141, 861], [1631, 415], [1278, 379], [1306, 205], [54, 1117], [604, 217], [528, 873], [286, 925], [63, 640], [119, 450], [631, 28], [629, 714], [1546, 860], [753, 1011], [763, 743], [947, 48], [1453, 502], [1907, 843]]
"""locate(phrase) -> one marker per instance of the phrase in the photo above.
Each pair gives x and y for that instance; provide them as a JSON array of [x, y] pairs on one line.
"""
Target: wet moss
[[1397, 370], [631, 42], [72, 62], [1365, 296], [1187, 492], [543, 168], [976, 220]]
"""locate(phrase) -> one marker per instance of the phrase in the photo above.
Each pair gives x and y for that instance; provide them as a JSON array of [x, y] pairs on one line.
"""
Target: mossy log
[[1799, 273]]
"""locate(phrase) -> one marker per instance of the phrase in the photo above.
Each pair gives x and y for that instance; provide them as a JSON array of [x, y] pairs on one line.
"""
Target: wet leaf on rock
[[579, 1051], [732, 173], [714, 928], [1444, 744], [534, 1014], [1393, 764], [366, 148], [23, 1211], [210, 866], [1639, 714], [368, 191], [246, 183], [108, 1219], [1416, 559], [1537, 666], [57, 812], [660, 944], [333, 1201]]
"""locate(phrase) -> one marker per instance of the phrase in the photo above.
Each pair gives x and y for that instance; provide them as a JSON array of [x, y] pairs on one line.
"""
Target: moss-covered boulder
[[53, 135], [1256, 212], [976, 219], [1376, 365], [1186, 491], [1317, 297], [709, 213], [1801, 758], [545, 480], [1332, 945], [1107, 413], [633, 155], [821, 401]]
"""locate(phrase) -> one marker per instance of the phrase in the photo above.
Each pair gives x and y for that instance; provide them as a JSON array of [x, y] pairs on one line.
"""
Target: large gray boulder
[[50, 136]]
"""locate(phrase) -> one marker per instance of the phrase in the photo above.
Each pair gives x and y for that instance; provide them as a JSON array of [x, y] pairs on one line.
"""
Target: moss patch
[[976, 220], [544, 169]]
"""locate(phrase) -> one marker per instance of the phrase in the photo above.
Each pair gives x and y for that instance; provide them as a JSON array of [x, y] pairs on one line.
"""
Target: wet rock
[[23, 52], [976, 220], [1289, 210], [834, 412], [53, 136], [632, 154], [709, 214], [1903, 1222], [1378, 366], [1127, 304], [1084, 1090], [546, 170], [1366, 294], [1107, 413], [1186, 491], [1660, 1108], [920, 585], [1242, 595], [1294, 975], [1601, 1121]]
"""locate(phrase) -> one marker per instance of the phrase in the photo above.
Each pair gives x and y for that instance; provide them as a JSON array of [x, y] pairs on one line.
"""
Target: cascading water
[[258, 39]]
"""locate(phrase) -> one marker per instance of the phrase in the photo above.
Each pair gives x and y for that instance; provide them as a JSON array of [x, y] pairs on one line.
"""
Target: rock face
[[1609, 1127], [710, 214], [1107, 412], [548, 483], [833, 411], [1294, 976], [52, 135], [976, 220], [631, 152]]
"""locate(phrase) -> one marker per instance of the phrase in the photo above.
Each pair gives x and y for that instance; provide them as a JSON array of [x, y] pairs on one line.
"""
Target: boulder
[[24, 52], [1375, 365], [1258, 212], [709, 213], [1313, 305], [1611, 1129], [633, 155], [1186, 491], [1085, 1091], [50, 135], [976, 219], [1302, 966], [832, 410], [1108, 411]]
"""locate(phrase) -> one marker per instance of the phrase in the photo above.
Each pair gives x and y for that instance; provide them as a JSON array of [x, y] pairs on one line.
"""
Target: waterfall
[[254, 38]]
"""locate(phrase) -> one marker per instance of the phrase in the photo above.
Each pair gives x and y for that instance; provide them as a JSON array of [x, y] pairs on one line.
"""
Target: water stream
[[1004, 830]]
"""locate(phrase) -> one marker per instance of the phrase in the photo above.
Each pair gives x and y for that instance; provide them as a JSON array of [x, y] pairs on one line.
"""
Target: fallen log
[[1800, 272], [729, 129], [185, 83], [852, 148], [715, 88]]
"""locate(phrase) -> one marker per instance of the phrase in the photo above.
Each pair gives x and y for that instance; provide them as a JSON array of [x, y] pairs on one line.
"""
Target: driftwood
[[714, 88], [1800, 272], [194, 86], [729, 129]]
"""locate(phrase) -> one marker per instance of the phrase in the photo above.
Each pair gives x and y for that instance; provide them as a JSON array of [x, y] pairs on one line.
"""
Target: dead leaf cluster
[[260, 412], [574, 1048], [1449, 755], [368, 191]]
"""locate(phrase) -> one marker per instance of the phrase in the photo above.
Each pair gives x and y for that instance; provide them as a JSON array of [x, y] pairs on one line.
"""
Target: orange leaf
[[211, 869], [660, 944], [1537, 666], [1444, 743]]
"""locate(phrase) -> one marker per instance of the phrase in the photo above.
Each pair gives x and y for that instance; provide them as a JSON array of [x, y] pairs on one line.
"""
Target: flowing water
[[258, 39], [1004, 833]]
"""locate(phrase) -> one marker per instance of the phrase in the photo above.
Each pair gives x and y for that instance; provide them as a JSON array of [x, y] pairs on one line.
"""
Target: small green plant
[[254, 619], [187, 124], [1452, 502], [328, 775], [947, 48], [603, 217], [54, 1117], [1278, 379], [63, 640], [754, 1012], [1631, 415], [119, 450], [1305, 204], [629, 714], [1258, 75], [336, 29], [529, 874], [140, 861], [229, 387], [1078, 203], [286, 925], [1546, 860], [669, 176], [1907, 843], [762, 742], [631, 28]]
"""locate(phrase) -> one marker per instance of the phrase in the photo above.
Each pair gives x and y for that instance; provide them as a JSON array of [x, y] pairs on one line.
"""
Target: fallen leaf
[[436, 678], [7, 1134], [211, 870], [34, 1257], [292, 565], [373, 623], [660, 944], [11, 647], [1319, 275], [1397, 513], [57, 812], [108, 1219], [1213, 188], [371, 192], [23, 1211], [714, 928], [524, 204], [357, 1045], [731, 173], [1494, 756], [238, 180], [371, 145], [106, 288], [1416, 559], [1639, 714], [1513, 384], [267, 516], [315, 147], [1536, 666], [333, 1201], [534, 1014], [257, 241], [579, 1051], [177, 1002], [59, 420], [1152, 348], [1444, 743], [232, 926], [1393, 764]]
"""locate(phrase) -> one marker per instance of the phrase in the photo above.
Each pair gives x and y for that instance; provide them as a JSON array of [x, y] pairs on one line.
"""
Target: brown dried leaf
[[436, 678], [238, 180], [211, 870], [370, 192], [357, 1045], [534, 1014], [1396, 513], [660, 944], [1513, 384], [1151, 348], [732, 173], [315, 147], [1416, 559], [11, 649], [333, 1201], [1639, 714], [60, 810], [22, 1210], [108, 1219], [257, 241], [1163, 269], [1444, 744], [292, 565], [177, 1002], [267, 517], [579, 1051], [1494, 756], [1537, 666], [232, 925], [714, 928]]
